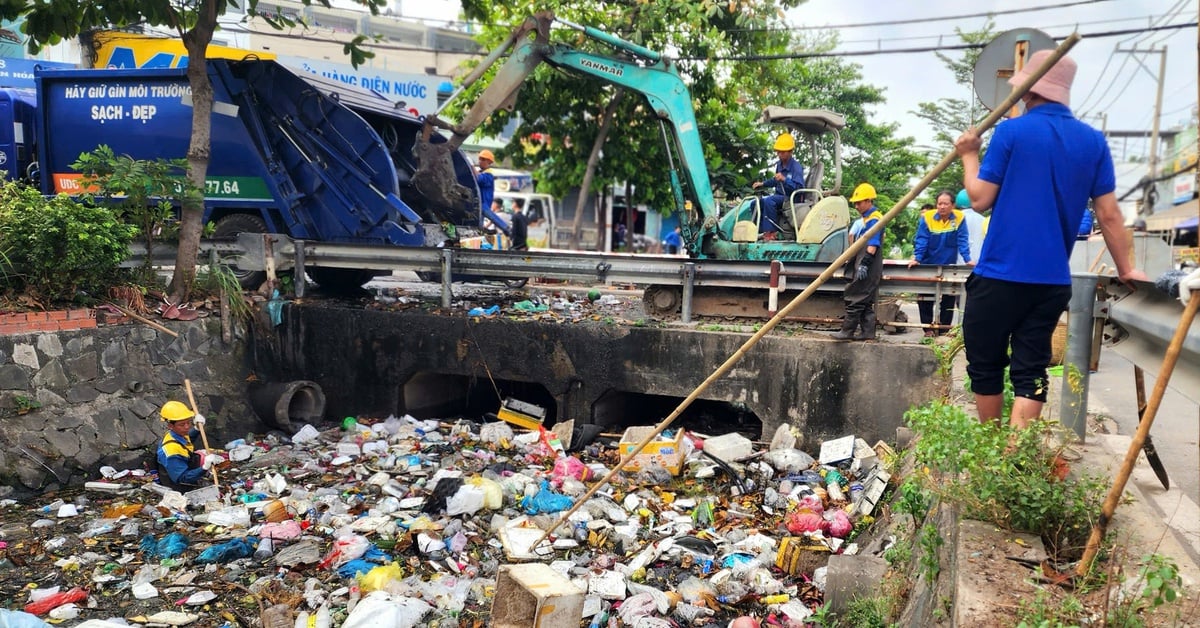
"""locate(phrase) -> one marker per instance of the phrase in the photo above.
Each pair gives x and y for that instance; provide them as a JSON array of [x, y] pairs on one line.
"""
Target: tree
[[50, 21], [949, 117], [728, 95]]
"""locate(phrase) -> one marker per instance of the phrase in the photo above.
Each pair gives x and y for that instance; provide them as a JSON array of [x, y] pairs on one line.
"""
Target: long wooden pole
[[833, 267], [1139, 437], [187, 385]]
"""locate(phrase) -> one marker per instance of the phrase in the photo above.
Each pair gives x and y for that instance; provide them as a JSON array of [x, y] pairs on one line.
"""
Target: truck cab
[[540, 209]]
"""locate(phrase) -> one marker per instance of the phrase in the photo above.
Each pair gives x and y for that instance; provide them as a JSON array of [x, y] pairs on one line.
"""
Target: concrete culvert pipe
[[288, 405]]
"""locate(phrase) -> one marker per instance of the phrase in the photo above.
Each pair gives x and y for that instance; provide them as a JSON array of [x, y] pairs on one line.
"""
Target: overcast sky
[[1125, 90], [1127, 95]]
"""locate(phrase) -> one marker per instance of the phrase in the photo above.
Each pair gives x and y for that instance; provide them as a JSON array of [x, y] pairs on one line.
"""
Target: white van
[[540, 209]]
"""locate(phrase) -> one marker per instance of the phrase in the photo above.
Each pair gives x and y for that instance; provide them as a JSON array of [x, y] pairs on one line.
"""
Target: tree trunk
[[196, 41], [590, 173]]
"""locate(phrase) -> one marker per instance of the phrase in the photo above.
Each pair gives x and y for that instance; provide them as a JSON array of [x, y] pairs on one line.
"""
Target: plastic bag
[[345, 549], [48, 603], [804, 520], [571, 467], [17, 619], [379, 577], [229, 551], [281, 531], [840, 526], [545, 501], [171, 546], [496, 433], [381, 609], [468, 499], [493, 495]]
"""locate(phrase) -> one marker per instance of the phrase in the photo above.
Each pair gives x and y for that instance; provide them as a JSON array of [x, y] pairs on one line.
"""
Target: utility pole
[[1162, 73]]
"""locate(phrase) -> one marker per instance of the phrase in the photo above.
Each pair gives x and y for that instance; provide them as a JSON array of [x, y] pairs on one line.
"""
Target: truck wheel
[[662, 301], [340, 280], [228, 228]]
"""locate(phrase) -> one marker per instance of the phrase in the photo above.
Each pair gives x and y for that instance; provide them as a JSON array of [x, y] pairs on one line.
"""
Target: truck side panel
[[282, 147]]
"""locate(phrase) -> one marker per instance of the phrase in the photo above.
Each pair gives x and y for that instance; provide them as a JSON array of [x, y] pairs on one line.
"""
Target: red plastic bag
[[43, 606]]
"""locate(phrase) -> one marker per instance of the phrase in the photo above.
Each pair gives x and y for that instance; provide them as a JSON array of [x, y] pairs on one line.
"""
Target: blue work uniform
[[793, 179], [487, 189], [178, 463], [1038, 210], [940, 242], [860, 295]]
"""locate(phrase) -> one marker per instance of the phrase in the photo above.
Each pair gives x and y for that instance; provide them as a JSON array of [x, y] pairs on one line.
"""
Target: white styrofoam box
[[533, 595]]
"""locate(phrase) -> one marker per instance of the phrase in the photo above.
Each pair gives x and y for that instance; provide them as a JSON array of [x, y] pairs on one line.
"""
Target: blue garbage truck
[[292, 152]]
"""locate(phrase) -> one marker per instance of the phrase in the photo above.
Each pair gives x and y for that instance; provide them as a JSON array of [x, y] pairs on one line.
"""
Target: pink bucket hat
[[1055, 85]]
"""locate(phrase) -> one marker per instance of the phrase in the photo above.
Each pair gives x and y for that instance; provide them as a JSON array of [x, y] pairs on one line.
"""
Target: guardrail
[[249, 252]]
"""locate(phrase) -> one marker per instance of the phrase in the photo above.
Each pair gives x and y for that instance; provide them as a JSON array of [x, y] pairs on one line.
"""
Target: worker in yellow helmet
[[789, 177], [180, 465], [864, 271]]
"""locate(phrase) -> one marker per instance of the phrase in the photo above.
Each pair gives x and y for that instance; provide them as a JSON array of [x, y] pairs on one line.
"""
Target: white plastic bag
[[468, 500], [379, 608]]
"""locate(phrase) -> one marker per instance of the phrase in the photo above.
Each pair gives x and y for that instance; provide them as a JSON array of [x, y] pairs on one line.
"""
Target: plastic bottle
[[53, 506], [266, 547], [775, 599], [355, 594]]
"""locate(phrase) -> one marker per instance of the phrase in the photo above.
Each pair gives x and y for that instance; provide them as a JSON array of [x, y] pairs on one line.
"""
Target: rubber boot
[[868, 326], [849, 325]]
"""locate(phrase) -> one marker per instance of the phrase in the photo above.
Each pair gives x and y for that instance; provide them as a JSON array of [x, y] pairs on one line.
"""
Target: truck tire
[[340, 280], [229, 227]]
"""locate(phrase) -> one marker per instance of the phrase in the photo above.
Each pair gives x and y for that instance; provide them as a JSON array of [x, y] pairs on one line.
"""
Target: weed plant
[[1004, 476]]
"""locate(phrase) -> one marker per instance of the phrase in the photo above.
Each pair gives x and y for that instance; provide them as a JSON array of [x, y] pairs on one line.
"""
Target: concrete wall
[[100, 390], [362, 359]]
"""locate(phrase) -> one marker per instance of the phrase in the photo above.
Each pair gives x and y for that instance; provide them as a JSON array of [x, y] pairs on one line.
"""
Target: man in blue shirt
[[941, 238], [789, 177], [1039, 172], [864, 271]]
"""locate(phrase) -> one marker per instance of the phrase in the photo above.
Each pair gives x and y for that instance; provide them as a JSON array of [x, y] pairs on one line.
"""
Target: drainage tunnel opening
[[617, 410], [438, 395]]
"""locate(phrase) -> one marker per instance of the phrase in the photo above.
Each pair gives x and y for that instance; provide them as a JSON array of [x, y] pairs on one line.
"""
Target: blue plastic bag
[[478, 311], [229, 551], [545, 501], [171, 545], [355, 568]]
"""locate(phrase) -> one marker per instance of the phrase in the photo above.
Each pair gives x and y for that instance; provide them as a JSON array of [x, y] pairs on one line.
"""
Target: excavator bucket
[[435, 178]]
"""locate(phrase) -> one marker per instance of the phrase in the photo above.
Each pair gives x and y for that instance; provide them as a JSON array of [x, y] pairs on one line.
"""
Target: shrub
[[57, 247], [1005, 476]]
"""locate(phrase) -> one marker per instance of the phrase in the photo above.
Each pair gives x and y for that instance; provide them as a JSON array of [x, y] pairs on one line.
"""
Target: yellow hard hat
[[487, 154], [864, 192], [785, 141], [175, 411]]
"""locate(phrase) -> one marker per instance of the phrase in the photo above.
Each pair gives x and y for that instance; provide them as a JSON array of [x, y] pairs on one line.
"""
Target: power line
[[923, 20], [1160, 21], [940, 48], [1140, 18]]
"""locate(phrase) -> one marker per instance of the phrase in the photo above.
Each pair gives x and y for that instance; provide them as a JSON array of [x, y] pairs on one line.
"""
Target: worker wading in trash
[[180, 464]]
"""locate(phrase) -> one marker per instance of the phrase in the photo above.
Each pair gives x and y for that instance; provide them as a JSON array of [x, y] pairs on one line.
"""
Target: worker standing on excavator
[[789, 177], [864, 271]]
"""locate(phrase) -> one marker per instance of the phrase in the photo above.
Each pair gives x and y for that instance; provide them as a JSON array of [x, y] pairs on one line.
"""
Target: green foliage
[[58, 247], [947, 351], [867, 612], [912, 499], [25, 404], [1161, 578], [930, 541], [822, 616], [1045, 610], [140, 192], [728, 95], [221, 281], [900, 553], [1004, 476]]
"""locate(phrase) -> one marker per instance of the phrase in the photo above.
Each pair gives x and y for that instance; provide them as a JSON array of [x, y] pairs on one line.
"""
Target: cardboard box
[[666, 453], [535, 596]]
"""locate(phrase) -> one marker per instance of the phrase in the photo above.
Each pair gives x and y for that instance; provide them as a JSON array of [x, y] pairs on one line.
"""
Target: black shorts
[[999, 314]]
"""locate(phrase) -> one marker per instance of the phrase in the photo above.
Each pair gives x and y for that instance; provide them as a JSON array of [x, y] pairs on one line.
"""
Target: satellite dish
[[998, 62]]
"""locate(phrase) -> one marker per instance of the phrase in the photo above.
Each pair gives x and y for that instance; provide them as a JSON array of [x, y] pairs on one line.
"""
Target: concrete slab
[[988, 586]]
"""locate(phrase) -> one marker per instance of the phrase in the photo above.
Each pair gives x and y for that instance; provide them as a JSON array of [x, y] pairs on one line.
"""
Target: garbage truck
[[292, 152]]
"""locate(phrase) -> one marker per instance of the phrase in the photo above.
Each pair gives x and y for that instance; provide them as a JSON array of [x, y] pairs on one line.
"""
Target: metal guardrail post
[[447, 266], [1078, 358], [298, 260], [689, 280]]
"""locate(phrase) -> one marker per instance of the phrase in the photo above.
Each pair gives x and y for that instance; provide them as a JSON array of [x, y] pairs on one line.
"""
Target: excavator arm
[[641, 71]]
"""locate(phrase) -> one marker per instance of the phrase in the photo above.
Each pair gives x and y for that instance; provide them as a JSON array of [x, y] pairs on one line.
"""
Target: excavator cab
[[813, 219]]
